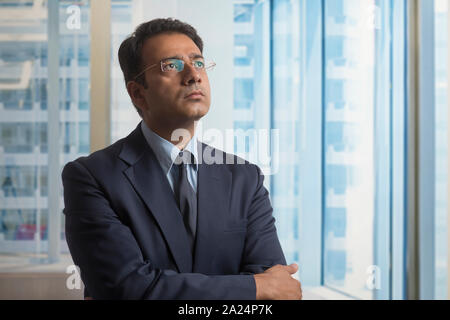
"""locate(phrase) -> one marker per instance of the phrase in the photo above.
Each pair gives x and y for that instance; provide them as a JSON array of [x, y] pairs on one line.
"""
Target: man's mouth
[[197, 94]]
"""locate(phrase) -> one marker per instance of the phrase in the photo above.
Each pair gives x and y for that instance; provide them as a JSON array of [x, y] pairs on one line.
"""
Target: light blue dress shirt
[[166, 153]]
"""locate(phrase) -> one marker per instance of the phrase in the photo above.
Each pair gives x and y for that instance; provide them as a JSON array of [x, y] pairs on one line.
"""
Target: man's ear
[[135, 91]]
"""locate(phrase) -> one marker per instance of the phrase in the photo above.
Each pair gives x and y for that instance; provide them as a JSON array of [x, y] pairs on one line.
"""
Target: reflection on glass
[[246, 64], [286, 117], [123, 117], [349, 146], [24, 117]]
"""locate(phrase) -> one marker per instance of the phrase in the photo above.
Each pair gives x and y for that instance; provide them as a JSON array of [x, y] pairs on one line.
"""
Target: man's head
[[162, 96]]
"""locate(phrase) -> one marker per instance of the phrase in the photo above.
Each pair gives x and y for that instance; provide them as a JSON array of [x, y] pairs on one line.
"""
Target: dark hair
[[130, 51]]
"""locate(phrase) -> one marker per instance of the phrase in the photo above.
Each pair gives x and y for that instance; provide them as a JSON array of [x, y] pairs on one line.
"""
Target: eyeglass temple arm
[[142, 72]]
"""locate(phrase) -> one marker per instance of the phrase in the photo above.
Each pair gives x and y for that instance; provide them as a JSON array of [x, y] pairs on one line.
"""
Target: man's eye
[[170, 66], [199, 64]]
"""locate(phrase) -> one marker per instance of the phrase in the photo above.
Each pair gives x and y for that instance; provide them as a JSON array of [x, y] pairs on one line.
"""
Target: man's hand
[[277, 283]]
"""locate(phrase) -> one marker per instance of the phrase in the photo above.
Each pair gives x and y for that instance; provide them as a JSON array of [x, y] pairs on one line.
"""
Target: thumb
[[292, 268]]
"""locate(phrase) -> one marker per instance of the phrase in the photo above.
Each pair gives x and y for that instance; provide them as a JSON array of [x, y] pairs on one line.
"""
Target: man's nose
[[191, 74]]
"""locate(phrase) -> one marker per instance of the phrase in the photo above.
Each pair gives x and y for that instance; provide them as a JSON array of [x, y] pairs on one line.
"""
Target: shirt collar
[[165, 151]]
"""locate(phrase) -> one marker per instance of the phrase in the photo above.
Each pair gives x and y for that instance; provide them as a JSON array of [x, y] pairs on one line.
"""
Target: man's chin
[[197, 113], [194, 118], [187, 119]]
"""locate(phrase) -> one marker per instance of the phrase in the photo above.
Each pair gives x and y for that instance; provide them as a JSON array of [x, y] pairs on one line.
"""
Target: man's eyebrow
[[173, 57], [196, 56], [192, 56]]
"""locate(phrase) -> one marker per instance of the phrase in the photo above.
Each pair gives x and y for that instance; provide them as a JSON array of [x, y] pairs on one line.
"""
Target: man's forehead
[[170, 45]]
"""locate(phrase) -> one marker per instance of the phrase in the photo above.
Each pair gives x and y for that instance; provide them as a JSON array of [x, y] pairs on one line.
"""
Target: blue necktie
[[186, 197]]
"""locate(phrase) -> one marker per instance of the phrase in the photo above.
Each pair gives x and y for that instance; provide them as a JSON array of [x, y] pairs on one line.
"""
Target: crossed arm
[[113, 267]]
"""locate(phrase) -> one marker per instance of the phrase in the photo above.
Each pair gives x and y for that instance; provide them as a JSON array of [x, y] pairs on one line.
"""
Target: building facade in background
[[24, 121]]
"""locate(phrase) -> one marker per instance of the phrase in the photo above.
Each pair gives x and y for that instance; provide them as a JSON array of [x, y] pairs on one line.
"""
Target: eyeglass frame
[[209, 65]]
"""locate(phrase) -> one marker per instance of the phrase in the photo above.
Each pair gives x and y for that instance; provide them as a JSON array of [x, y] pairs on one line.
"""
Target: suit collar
[[165, 151], [133, 147], [214, 194]]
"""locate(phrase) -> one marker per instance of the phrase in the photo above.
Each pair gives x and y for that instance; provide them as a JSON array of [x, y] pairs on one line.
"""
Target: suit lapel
[[149, 181], [213, 194]]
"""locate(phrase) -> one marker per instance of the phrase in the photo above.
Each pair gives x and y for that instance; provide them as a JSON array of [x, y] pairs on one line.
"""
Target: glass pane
[[441, 73], [357, 146], [123, 118], [25, 144], [287, 119], [251, 72]]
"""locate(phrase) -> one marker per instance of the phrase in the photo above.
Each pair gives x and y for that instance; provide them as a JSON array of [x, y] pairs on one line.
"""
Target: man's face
[[167, 97]]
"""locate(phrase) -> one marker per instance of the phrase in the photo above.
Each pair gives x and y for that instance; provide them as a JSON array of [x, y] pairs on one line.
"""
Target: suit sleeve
[[111, 262], [262, 247]]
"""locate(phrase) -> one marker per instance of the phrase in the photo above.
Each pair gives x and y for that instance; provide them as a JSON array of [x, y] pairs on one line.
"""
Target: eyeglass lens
[[177, 65]]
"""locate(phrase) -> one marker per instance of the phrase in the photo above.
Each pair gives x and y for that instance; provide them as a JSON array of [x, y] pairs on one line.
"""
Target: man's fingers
[[292, 268]]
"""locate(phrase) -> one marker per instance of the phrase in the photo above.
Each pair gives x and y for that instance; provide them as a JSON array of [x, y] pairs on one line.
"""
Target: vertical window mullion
[[100, 66], [383, 151], [398, 150], [54, 210], [426, 145]]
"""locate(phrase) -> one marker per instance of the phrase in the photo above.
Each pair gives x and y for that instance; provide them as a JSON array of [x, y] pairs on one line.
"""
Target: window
[[286, 116], [334, 90], [331, 78], [123, 116], [251, 78], [355, 49], [32, 33]]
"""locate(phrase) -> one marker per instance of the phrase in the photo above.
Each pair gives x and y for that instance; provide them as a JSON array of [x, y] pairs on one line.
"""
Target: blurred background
[[356, 89]]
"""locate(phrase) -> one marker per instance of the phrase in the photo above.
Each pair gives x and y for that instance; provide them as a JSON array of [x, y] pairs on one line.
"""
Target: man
[[150, 217]]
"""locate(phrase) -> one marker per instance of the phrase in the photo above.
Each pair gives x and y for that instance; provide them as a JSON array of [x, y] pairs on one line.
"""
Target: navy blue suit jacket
[[125, 231]]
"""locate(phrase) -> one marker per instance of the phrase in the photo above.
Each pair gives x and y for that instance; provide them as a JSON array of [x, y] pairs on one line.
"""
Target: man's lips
[[194, 95]]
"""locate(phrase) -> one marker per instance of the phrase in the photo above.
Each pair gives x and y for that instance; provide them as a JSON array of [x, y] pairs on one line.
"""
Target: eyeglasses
[[173, 66]]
